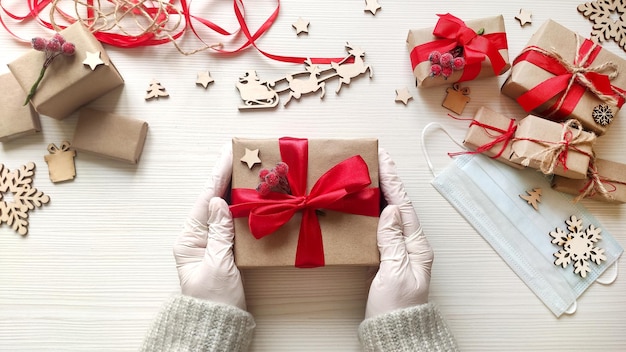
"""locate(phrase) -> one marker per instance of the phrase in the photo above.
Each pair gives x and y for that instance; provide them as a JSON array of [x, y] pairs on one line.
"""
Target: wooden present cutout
[[60, 162], [456, 98]]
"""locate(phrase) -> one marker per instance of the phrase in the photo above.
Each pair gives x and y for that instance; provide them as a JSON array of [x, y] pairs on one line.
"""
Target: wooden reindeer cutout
[[298, 87], [348, 71]]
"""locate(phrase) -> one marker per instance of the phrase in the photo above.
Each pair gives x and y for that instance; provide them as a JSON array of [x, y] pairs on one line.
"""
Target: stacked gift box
[[69, 83], [570, 86]]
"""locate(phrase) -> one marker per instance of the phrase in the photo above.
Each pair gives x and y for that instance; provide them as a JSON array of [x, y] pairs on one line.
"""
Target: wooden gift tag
[[61, 162], [456, 98]]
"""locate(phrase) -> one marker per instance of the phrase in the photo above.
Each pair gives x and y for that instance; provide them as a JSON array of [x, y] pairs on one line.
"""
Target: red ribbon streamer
[[557, 85], [455, 33], [147, 39], [342, 188]]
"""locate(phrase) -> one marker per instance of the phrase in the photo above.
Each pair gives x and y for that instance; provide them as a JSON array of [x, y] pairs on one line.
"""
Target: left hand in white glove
[[203, 251]]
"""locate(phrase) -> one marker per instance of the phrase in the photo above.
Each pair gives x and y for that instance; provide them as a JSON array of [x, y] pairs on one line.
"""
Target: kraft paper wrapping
[[543, 134], [478, 136], [67, 83], [524, 75], [110, 135], [422, 71], [612, 176], [16, 120], [348, 239]]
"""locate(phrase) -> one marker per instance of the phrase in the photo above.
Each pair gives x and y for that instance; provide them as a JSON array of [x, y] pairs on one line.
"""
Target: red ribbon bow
[[558, 85], [342, 188], [505, 137], [455, 33]]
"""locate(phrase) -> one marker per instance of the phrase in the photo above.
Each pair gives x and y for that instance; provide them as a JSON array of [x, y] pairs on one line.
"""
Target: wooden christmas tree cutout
[[93, 60], [301, 26], [578, 246], [524, 17], [372, 6], [18, 196], [403, 95], [251, 157], [533, 197], [204, 78], [156, 90], [60, 162], [456, 98], [258, 94], [605, 27]]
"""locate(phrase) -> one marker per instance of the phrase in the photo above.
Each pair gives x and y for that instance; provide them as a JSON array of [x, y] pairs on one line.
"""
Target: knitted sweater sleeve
[[419, 328], [189, 324]]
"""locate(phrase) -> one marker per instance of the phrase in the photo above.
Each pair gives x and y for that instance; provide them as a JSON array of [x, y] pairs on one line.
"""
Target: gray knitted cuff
[[419, 328], [189, 324]]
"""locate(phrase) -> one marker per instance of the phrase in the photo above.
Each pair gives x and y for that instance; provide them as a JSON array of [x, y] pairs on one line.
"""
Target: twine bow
[[53, 149], [572, 78], [556, 153]]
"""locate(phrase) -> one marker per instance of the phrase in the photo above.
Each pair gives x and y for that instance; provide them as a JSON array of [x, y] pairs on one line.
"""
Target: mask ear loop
[[572, 309], [434, 125], [611, 279]]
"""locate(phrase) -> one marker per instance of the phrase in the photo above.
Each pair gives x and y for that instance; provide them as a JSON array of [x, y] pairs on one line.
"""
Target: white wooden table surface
[[97, 263]]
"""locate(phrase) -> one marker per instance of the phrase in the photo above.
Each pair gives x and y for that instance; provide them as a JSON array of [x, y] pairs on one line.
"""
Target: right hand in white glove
[[204, 250], [406, 258]]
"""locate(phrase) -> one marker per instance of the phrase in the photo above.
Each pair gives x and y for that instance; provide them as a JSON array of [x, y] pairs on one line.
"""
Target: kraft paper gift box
[[606, 181], [110, 135], [491, 134], [347, 238], [541, 74], [16, 119], [553, 148], [68, 83], [451, 32]]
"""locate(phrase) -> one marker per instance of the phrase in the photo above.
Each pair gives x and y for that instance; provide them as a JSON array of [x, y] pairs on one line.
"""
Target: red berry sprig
[[274, 180], [53, 48], [445, 64]]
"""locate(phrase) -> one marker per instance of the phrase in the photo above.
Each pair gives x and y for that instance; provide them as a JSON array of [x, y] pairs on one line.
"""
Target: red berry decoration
[[446, 72], [434, 57], [458, 63], [446, 60], [435, 70]]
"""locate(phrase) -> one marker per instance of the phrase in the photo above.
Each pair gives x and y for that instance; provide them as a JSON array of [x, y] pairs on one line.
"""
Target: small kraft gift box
[[110, 135], [553, 148], [68, 83], [560, 75], [324, 211], [491, 134], [606, 181], [457, 51], [16, 119]]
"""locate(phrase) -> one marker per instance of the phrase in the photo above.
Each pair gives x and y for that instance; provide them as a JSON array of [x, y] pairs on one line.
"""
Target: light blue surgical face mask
[[486, 192]]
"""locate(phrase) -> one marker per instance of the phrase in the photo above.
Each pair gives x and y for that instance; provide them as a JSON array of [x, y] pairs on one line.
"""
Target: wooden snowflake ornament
[[18, 196], [602, 14], [578, 246]]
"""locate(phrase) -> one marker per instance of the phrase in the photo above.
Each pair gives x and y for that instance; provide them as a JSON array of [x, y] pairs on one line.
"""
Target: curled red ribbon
[[159, 14], [454, 33], [342, 188], [558, 85]]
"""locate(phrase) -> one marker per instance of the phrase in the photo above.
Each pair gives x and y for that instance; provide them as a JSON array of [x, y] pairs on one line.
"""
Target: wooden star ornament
[[204, 79], [93, 60], [403, 95], [301, 26], [372, 6], [524, 17], [251, 157]]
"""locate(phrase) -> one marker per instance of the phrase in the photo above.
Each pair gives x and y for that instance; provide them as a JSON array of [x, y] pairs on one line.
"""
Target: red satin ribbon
[[557, 85], [147, 39], [505, 137], [454, 32], [343, 188]]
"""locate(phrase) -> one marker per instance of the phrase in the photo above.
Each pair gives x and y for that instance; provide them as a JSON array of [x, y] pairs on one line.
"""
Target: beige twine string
[[135, 14], [550, 155], [596, 184], [578, 70]]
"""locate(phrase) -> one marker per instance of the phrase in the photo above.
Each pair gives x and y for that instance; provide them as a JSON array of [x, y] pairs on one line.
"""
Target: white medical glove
[[406, 257], [204, 250]]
